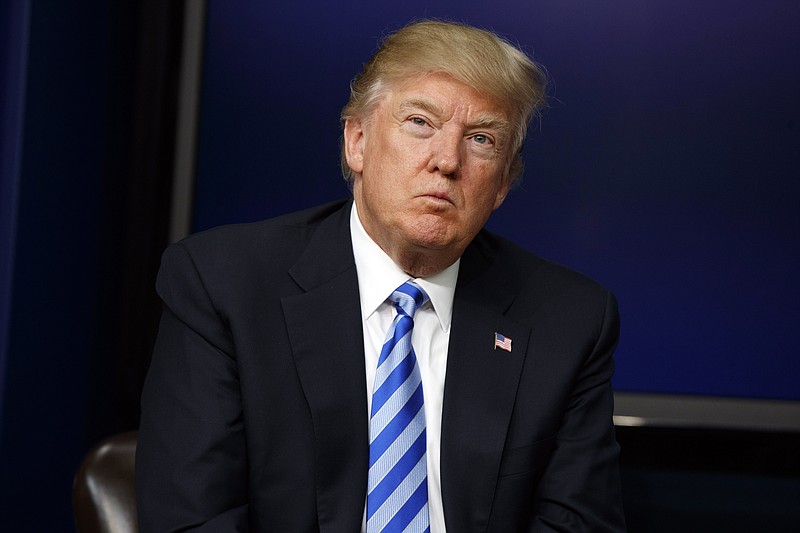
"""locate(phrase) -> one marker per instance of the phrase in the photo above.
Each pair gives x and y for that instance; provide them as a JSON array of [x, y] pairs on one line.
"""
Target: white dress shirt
[[378, 277]]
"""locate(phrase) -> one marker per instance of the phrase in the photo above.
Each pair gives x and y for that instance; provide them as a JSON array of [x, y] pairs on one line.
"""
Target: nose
[[445, 157]]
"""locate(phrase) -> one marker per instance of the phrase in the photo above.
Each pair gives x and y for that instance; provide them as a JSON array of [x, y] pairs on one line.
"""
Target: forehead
[[442, 94]]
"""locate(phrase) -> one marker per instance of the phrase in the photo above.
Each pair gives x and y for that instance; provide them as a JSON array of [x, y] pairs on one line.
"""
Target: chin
[[432, 241], [431, 231]]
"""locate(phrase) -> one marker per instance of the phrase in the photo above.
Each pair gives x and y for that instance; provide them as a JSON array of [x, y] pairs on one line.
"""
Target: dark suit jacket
[[254, 412]]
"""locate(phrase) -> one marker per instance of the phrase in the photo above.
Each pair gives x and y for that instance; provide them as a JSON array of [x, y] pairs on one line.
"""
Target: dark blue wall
[[57, 222], [666, 167], [14, 18], [90, 92]]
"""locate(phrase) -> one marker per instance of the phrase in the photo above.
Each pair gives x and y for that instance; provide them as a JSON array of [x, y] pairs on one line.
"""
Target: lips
[[438, 197]]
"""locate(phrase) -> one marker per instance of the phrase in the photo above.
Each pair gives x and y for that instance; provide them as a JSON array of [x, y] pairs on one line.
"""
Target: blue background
[[666, 166]]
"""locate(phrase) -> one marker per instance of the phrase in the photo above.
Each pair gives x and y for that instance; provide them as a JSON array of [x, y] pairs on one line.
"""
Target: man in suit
[[258, 412]]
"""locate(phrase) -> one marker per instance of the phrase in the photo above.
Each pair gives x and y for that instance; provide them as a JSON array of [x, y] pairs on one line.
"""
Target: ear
[[502, 192], [354, 144]]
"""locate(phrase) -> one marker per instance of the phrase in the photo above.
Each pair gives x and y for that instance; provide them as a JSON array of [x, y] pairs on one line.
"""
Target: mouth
[[439, 198]]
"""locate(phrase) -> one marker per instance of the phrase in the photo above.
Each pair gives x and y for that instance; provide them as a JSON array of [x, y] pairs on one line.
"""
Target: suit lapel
[[480, 389], [324, 325]]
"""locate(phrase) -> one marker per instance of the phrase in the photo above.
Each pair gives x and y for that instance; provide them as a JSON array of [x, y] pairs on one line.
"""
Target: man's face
[[428, 166]]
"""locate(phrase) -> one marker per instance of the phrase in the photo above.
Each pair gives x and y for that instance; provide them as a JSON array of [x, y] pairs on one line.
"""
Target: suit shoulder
[[283, 231], [266, 247], [543, 291], [524, 267]]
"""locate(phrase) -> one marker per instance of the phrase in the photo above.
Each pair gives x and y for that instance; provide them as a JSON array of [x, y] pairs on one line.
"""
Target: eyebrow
[[490, 121], [425, 105]]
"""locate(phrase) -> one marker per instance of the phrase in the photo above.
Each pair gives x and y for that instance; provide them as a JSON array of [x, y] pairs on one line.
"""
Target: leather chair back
[[103, 493]]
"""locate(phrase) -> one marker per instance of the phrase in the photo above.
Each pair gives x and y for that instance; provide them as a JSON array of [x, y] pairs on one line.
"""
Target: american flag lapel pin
[[502, 342]]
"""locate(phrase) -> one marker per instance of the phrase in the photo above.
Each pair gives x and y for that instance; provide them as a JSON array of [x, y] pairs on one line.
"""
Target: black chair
[[103, 492]]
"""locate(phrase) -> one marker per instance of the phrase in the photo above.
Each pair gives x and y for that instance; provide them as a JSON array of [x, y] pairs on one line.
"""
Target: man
[[266, 404]]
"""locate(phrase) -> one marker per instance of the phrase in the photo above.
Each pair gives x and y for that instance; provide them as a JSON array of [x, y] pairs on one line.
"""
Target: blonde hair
[[476, 57]]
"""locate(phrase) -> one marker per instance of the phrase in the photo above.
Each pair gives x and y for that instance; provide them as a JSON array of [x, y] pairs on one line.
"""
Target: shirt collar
[[379, 276]]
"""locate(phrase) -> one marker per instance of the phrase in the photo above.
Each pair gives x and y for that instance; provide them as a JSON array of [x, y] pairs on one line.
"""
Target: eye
[[480, 138], [417, 121]]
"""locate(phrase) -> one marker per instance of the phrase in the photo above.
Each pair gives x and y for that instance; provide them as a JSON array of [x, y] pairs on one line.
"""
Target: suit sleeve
[[580, 489], [191, 460]]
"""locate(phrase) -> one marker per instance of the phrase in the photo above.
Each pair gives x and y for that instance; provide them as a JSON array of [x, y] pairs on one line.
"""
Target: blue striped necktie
[[397, 495]]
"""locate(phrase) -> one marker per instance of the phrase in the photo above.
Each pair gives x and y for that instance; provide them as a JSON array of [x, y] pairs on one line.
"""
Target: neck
[[421, 264]]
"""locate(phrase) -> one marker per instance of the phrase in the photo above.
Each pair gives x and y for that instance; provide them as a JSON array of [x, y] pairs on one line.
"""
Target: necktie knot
[[409, 297]]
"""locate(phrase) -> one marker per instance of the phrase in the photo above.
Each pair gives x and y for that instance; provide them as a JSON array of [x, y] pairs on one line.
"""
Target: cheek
[[485, 187], [394, 172]]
